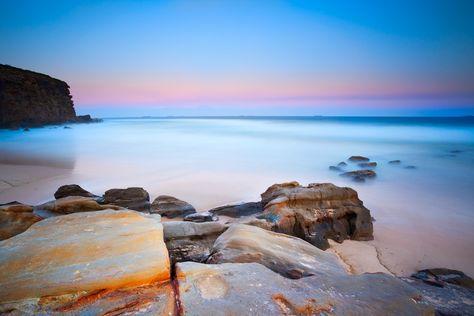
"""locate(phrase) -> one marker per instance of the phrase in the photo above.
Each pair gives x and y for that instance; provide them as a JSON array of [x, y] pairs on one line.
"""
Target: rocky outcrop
[[72, 190], [317, 212], [83, 263], [252, 289], [188, 241], [32, 99], [238, 210], [287, 255], [15, 218], [134, 198], [171, 207], [72, 204]]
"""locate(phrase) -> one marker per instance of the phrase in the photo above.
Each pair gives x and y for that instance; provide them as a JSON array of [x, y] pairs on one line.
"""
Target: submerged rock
[[317, 212], [201, 217], [72, 190], [15, 218], [372, 164], [171, 207], [358, 158], [238, 210], [72, 204], [360, 175], [342, 164], [188, 241], [410, 167], [80, 254], [252, 289], [287, 255], [441, 276], [133, 198], [395, 162], [334, 168]]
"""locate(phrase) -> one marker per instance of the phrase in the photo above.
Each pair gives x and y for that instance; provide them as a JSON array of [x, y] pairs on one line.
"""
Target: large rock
[[72, 204], [72, 190], [31, 99], [171, 207], [238, 210], [15, 218], [317, 212], [252, 289], [82, 258], [188, 241], [132, 198], [287, 255]]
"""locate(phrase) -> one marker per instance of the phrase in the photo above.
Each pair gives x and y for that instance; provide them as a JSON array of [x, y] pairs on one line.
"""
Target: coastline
[[396, 249]]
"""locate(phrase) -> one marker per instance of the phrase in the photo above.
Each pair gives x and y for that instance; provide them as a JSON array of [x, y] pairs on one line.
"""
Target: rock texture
[[72, 204], [81, 254], [238, 210], [15, 218], [132, 198], [317, 212], [188, 241], [171, 207], [252, 289], [287, 255], [72, 190], [32, 99]]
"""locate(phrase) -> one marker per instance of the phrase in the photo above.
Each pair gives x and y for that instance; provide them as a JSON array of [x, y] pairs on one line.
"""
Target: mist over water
[[214, 161]]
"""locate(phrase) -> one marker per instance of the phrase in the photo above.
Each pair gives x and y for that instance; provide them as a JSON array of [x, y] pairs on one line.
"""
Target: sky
[[134, 58]]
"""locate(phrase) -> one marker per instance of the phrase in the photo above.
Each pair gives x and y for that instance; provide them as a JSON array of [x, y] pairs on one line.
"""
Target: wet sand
[[405, 241]]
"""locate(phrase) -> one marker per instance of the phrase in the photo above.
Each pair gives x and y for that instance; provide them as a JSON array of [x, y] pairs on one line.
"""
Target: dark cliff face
[[32, 99]]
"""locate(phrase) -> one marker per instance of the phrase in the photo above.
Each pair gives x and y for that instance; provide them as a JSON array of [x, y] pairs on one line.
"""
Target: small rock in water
[[67, 127], [367, 164], [410, 167], [201, 217], [133, 198], [171, 207], [334, 168], [358, 158], [395, 162], [360, 175], [342, 164], [26, 129]]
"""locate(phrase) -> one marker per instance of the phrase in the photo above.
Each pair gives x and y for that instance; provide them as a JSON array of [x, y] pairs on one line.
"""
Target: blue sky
[[249, 57]]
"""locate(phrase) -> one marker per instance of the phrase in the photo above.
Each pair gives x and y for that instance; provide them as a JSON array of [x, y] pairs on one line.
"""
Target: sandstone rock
[[317, 212], [441, 276], [287, 255], [132, 198], [188, 241], [33, 99], [238, 210], [71, 190], [252, 289], [358, 158], [201, 217], [171, 207], [371, 164], [72, 204], [81, 254], [15, 218], [360, 175]]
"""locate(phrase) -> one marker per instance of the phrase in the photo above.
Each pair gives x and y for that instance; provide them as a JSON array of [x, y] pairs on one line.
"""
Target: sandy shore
[[399, 248]]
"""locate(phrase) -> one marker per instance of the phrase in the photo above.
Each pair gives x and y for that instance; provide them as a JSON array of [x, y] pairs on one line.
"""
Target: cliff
[[32, 99]]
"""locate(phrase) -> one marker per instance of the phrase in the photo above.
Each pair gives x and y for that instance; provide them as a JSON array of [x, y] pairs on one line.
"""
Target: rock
[[410, 167], [33, 99], [317, 212], [367, 164], [342, 164], [188, 241], [15, 218], [334, 168], [72, 204], [171, 207], [238, 210], [360, 175], [395, 162], [132, 198], [441, 276], [252, 289], [26, 129], [83, 253], [358, 158], [287, 255], [201, 217], [72, 190]]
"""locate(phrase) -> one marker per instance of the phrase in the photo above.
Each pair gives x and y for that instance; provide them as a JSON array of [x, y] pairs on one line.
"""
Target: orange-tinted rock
[[73, 204], [83, 252], [15, 218], [317, 212]]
